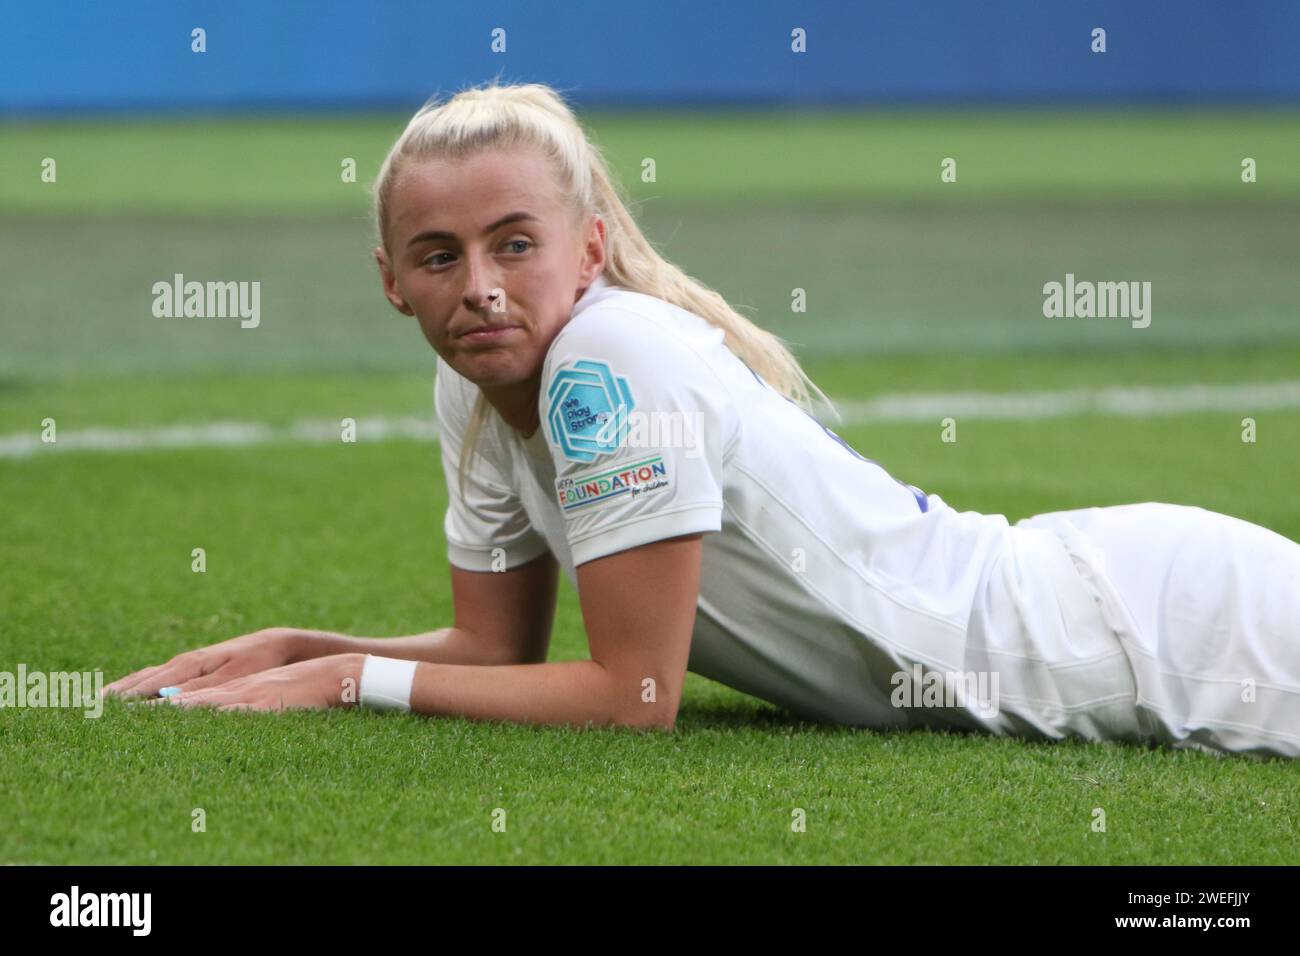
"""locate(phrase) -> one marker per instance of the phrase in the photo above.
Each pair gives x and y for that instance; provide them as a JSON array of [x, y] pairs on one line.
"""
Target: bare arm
[[501, 617], [639, 610]]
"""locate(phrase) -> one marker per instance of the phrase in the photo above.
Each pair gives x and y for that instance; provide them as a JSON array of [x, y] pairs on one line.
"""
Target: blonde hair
[[492, 117]]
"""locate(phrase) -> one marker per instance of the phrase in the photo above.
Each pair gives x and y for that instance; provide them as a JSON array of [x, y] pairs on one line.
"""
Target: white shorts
[[1206, 609]]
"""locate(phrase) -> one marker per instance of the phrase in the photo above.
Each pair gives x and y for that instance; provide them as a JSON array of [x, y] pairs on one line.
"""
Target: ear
[[391, 292], [593, 253]]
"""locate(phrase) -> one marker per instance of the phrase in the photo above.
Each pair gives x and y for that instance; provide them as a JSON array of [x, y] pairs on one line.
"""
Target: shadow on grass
[[761, 717], [694, 718]]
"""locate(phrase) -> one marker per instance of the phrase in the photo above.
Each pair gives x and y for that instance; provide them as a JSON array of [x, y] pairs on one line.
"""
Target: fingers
[[179, 672], [219, 676], [206, 667], [201, 698], [193, 700], [234, 692], [127, 686], [228, 697], [216, 703]]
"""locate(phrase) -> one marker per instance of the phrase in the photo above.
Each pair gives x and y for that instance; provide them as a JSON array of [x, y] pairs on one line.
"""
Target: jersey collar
[[591, 293]]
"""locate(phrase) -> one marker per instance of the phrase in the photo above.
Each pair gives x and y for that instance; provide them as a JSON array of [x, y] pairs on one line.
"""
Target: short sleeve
[[638, 423], [489, 514]]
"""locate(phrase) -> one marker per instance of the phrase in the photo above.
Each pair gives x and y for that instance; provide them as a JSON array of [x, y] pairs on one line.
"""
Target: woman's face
[[488, 257]]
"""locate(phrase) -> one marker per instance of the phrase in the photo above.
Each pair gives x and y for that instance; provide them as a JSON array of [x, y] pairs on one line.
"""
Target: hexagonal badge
[[582, 398]]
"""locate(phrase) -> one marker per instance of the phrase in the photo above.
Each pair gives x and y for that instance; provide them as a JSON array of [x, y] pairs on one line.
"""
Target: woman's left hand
[[316, 684]]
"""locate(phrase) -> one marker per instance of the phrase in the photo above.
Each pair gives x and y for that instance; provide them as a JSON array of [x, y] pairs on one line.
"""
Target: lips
[[487, 333]]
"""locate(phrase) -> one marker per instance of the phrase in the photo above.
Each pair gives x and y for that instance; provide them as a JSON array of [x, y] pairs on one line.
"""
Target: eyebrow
[[503, 221]]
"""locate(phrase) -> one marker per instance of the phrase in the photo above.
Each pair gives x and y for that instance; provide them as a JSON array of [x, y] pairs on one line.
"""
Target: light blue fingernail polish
[[169, 692]]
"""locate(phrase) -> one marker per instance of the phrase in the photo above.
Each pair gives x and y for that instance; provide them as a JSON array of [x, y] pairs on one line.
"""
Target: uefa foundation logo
[[64, 689], [976, 691]]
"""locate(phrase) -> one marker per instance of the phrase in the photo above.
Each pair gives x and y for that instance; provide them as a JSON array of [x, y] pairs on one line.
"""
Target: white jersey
[[828, 586]]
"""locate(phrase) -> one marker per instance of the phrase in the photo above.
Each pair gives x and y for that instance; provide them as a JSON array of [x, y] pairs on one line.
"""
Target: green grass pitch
[[913, 287]]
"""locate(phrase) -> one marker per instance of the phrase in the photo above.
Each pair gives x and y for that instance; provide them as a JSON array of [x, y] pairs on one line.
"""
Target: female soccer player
[[604, 414]]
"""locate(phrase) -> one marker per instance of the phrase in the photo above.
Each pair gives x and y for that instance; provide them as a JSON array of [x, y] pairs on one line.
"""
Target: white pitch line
[[211, 435], [1244, 398]]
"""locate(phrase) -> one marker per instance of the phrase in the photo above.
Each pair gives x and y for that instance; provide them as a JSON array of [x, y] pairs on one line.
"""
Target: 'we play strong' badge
[[582, 399]]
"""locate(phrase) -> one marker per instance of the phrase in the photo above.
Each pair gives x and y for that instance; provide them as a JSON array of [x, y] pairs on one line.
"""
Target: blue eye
[[515, 242], [429, 261]]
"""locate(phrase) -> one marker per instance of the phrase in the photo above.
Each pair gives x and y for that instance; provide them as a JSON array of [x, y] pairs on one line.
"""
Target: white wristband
[[386, 683]]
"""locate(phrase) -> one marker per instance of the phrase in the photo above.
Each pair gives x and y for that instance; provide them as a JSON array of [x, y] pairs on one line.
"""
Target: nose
[[481, 290]]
